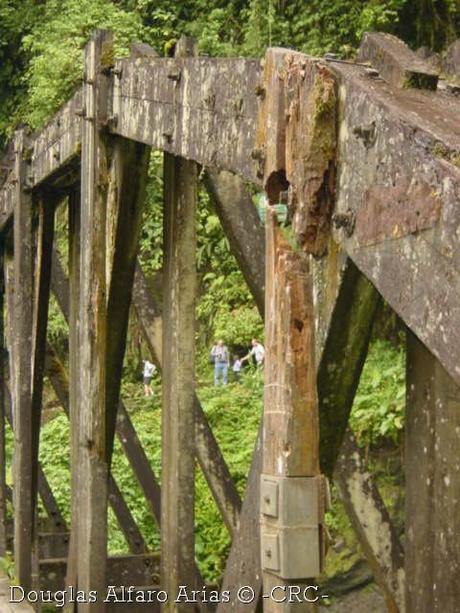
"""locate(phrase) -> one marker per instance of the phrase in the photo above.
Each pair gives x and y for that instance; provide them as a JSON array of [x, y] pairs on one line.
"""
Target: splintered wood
[[291, 443]]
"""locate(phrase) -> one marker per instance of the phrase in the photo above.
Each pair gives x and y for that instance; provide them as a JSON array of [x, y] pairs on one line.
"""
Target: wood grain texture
[[396, 62], [127, 180], [178, 377], [21, 322], [432, 560], [209, 456], [44, 246], [58, 378], [93, 482], [412, 143], [3, 359], [202, 109]]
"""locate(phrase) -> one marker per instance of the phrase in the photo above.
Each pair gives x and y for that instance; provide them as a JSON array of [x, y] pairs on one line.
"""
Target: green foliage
[[151, 239], [378, 409], [41, 42], [16, 21], [234, 414], [54, 48], [238, 326]]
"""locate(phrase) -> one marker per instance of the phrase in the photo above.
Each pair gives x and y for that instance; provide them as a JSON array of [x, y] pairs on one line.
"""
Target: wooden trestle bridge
[[367, 156]]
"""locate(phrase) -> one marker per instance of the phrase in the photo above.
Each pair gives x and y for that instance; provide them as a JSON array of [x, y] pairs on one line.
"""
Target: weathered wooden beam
[[139, 462], [208, 453], [291, 426], [291, 423], [128, 177], [345, 333], [3, 357], [57, 376], [59, 142], [178, 376], [125, 519], [242, 226], [91, 401], [396, 63], [397, 216], [46, 494], [346, 305], [243, 562], [71, 313], [371, 521], [124, 428], [49, 501], [51, 153], [20, 323], [432, 560], [45, 235], [199, 108], [141, 569]]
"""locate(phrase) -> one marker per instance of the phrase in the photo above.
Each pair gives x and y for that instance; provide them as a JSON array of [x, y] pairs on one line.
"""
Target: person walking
[[237, 369], [258, 351], [148, 372], [221, 358]]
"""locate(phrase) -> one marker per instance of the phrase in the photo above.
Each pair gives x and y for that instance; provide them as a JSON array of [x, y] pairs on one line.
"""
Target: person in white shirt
[[258, 351], [148, 372], [237, 369]]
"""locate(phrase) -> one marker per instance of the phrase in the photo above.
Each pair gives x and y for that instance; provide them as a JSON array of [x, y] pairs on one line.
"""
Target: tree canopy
[[41, 40]]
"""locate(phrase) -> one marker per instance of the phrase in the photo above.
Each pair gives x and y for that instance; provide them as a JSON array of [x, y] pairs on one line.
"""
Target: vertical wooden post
[[128, 177], [91, 401], [2, 410], [74, 212], [44, 250], [432, 546], [178, 416], [21, 350], [290, 494]]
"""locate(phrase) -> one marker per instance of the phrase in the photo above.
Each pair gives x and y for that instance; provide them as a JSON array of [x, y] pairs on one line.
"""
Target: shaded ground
[[367, 600]]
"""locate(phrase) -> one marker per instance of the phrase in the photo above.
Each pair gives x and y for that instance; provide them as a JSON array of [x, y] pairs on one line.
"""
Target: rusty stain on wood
[[396, 210]]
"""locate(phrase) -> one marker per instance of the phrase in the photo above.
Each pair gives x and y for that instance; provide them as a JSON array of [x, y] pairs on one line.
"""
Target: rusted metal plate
[[396, 210]]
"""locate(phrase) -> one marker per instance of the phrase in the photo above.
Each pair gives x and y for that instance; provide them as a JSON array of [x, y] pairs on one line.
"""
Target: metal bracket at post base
[[292, 518]]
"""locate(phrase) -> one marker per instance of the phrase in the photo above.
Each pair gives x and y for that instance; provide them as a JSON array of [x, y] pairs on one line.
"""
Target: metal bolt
[[331, 56], [258, 154], [174, 75], [112, 121], [346, 221], [367, 134], [453, 88], [371, 73], [259, 90]]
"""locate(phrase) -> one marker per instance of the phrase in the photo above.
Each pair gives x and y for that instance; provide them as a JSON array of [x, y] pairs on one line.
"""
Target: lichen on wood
[[311, 145]]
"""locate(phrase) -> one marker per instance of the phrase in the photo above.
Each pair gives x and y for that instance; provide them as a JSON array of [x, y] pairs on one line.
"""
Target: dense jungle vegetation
[[40, 66]]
